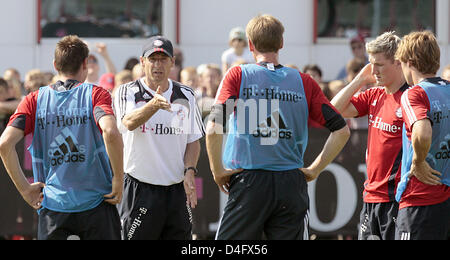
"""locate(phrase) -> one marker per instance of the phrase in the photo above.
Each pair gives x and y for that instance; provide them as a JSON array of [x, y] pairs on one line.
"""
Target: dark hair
[[70, 54], [312, 67], [131, 62]]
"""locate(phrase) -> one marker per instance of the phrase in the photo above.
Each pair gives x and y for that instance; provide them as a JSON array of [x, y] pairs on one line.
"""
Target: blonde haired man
[[424, 192], [384, 150]]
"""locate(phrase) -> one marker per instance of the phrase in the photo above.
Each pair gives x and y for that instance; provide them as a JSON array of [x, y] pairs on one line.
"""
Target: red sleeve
[[102, 103], [315, 99], [361, 101], [415, 106], [230, 86], [25, 115]]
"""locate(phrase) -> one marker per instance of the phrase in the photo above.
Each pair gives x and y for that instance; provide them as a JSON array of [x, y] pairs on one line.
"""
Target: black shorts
[[99, 223], [424, 223], [154, 212], [274, 204], [377, 221]]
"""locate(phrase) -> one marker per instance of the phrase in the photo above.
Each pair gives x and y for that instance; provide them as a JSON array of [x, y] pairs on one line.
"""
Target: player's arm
[[106, 122], [31, 193], [421, 139], [114, 149], [214, 140], [415, 105], [228, 91], [342, 100], [327, 115], [141, 115], [333, 146]]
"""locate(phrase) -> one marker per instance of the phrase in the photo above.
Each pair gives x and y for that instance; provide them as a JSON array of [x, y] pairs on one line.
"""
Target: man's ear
[[84, 64], [54, 65], [251, 46]]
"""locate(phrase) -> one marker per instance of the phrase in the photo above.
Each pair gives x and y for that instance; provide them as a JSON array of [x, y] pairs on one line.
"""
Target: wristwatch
[[191, 168]]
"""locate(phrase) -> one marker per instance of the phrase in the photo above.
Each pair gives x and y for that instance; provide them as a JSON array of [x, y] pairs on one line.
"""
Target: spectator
[[137, 72], [4, 90], [107, 82], [446, 73], [352, 69], [11, 73], [121, 78], [358, 51], [178, 66], [16, 88], [189, 77], [292, 66], [316, 73], [210, 77], [34, 79], [48, 77], [131, 62], [238, 49], [93, 66], [8, 102]]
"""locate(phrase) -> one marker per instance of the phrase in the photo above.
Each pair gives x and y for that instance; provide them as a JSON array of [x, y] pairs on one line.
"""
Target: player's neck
[[269, 57], [419, 77], [78, 77], [395, 86]]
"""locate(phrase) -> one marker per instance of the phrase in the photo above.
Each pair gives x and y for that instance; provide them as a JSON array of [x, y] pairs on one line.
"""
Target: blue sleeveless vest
[[439, 154], [269, 128], [68, 152]]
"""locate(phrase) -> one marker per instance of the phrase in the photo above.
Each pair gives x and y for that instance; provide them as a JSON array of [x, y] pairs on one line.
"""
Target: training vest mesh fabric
[[68, 151], [273, 133]]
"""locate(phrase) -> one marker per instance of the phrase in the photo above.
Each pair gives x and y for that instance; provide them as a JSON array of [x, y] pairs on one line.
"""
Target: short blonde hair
[[387, 43], [34, 79], [421, 50], [266, 33]]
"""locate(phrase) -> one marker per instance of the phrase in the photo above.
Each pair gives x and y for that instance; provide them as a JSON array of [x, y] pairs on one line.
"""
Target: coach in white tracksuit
[[161, 127]]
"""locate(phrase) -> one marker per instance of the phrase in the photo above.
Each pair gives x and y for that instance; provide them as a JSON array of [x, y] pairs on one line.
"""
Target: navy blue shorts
[[154, 212], [266, 204], [377, 221], [424, 223], [99, 223]]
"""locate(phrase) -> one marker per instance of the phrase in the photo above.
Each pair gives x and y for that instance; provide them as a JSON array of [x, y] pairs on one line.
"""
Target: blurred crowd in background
[[204, 79]]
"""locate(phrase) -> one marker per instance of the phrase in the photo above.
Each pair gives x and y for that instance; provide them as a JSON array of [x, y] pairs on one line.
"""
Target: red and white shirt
[[384, 142], [25, 116], [415, 106]]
